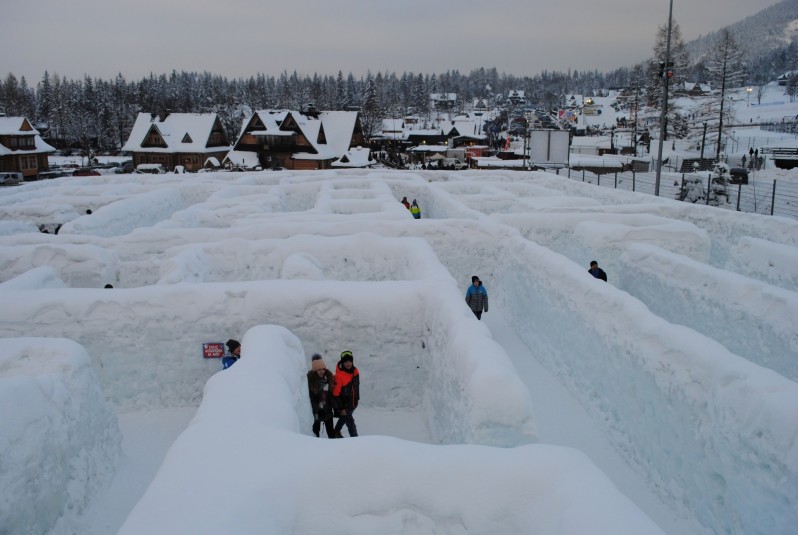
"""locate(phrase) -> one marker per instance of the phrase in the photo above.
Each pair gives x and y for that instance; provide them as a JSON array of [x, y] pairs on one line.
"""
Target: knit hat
[[317, 363], [233, 344], [347, 355], [474, 278]]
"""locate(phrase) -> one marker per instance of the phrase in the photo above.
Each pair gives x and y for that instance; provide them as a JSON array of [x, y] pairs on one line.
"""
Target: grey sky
[[242, 37]]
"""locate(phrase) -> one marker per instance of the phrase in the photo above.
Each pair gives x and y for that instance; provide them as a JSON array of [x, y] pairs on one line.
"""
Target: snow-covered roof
[[13, 126], [20, 126], [357, 157], [181, 132], [338, 127], [429, 148], [241, 158]]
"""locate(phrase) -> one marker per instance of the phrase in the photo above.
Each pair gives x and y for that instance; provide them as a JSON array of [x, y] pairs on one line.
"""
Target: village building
[[443, 101], [301, 140], [22, 150], [170, 140], [694, 89], [516, 97]]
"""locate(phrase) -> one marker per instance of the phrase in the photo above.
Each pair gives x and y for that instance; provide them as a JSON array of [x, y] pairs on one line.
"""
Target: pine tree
[[370, 113]]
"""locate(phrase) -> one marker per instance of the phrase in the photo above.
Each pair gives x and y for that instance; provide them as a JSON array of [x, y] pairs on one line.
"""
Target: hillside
[[772, 28]]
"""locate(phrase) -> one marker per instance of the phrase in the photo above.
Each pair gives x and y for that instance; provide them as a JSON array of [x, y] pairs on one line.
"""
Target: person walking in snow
[[320, 385], [346, 393], [233, 353], [415, 210], [596, 271], [406, 202], [477, 297]]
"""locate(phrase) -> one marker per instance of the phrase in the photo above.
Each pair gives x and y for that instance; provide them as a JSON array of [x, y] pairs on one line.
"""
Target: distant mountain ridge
[[760, 34]]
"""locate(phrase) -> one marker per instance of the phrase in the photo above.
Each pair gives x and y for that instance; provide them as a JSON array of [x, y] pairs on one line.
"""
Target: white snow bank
[[60, 442], [10, 228], [126, 215], [750, 318], [712, 429], [771, 262], [242, 467], [79, 266], [410, 338], [36, 278]]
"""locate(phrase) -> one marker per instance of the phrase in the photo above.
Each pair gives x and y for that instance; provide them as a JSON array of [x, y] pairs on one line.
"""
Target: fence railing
[[766, 197]]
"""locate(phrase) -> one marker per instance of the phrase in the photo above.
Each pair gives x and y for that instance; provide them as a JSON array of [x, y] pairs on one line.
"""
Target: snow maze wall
[[358, 275]]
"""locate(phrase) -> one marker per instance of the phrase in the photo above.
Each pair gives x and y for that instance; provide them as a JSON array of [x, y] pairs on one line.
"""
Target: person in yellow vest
[[415, 210]]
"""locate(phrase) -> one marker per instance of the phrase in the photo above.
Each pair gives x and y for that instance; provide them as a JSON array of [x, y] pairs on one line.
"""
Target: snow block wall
[[685, 410], [275, 477], [406, 351], [59, 439], [752, 319]]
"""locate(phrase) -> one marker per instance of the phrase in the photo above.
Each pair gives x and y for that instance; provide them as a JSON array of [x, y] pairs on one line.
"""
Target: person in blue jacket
[[477, 297], [596, 271], [233, 353]]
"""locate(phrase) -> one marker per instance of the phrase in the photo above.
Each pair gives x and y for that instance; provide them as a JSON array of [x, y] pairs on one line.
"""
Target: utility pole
[[664, 111]]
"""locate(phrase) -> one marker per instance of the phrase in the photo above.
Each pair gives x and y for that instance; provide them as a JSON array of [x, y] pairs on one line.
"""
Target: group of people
[[334, 396], [337, 395], [414, 209], [331, 395]]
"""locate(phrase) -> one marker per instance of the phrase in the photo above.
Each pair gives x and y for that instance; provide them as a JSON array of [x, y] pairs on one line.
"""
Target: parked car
[[86, 171], [10, 178], [151, 168], [738, 175], [125, 167]]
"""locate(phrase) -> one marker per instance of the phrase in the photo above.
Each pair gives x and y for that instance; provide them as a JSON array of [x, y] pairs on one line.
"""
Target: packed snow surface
[[676, 379]]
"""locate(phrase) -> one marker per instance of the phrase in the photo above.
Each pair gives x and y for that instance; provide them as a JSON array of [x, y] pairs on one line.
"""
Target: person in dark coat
[[406, 202], [346, 393], [233, 353], [596, 271], [320, 385], [477, 297]]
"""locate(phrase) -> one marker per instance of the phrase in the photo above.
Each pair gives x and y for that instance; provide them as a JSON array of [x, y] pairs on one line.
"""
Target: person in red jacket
[[346, 393]]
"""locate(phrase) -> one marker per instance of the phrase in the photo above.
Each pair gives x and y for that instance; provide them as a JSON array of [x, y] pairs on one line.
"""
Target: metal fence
[[767, 197]]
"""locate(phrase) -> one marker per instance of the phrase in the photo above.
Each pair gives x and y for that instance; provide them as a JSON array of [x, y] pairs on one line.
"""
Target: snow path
[[147, 436], [562, 421]]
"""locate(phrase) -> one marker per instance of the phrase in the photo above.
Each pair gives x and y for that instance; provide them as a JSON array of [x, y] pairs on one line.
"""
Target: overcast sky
[[243, 37]]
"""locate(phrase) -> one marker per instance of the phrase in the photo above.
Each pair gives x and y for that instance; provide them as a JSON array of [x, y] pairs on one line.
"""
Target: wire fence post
[[583, 175], [773, 197], [709, 186], [633, 179], [739, 194], [616, 180]]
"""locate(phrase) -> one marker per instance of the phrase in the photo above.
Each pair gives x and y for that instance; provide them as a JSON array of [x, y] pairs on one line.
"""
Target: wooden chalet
[[22, 149], [443, 101], [695, 89], [172, 139], [301, 140]]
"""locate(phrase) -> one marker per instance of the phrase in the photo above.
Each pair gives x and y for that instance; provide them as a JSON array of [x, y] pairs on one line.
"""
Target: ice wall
[[59, 439], [712, 430], [279, 481]]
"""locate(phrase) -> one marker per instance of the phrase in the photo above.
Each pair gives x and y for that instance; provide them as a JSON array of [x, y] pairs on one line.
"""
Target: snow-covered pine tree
[[370, 116]]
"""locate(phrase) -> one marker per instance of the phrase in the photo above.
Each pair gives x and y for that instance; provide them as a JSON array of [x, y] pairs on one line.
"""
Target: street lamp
[[748, 90]]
